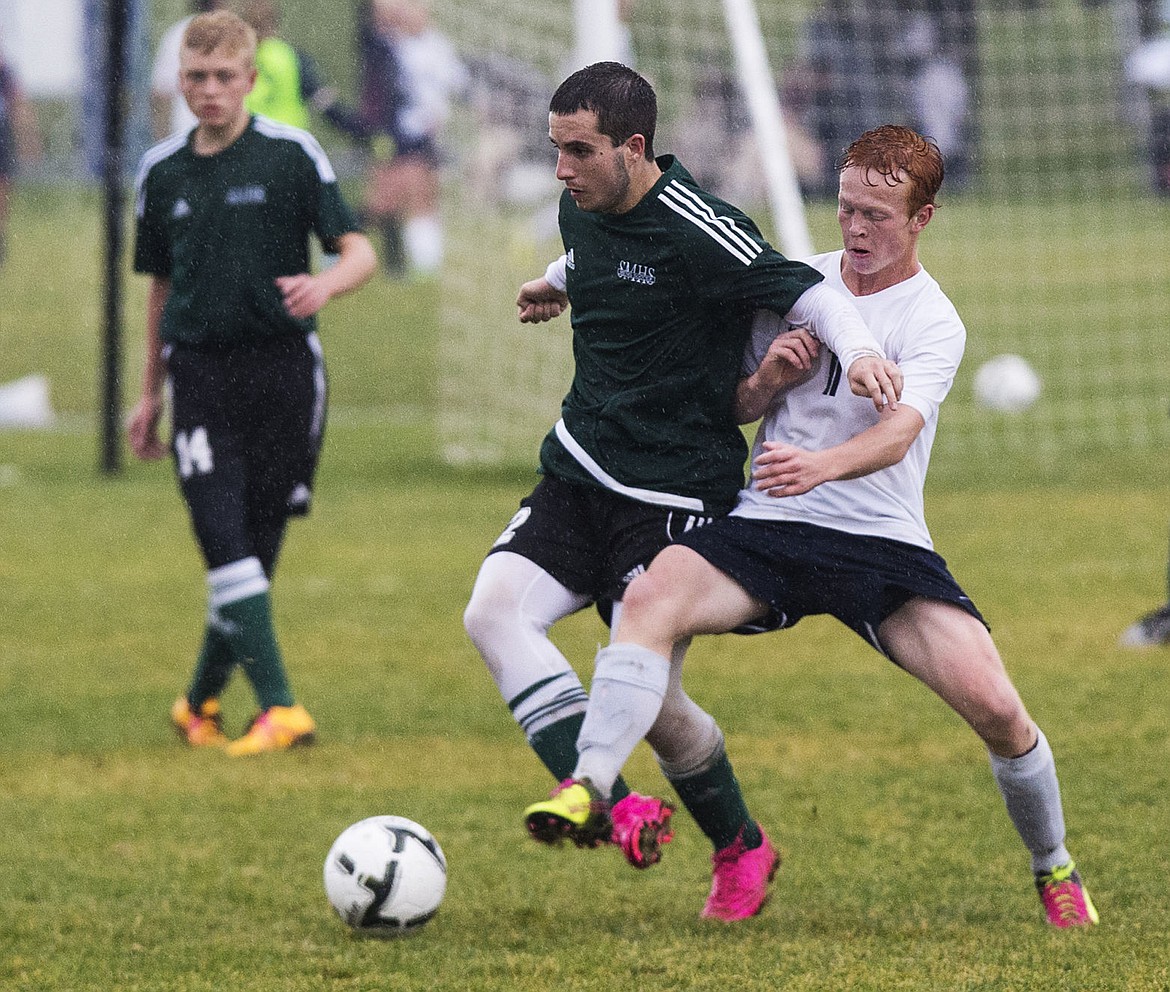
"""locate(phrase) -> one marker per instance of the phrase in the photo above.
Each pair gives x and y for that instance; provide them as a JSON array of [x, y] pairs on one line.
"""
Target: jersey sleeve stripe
[[153, 156], [272, 129], [722, 229]]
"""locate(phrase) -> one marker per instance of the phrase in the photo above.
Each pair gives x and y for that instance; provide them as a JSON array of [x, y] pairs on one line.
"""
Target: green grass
[[134, 864]]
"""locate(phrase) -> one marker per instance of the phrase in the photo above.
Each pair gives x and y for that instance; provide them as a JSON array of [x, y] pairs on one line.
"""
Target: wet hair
[[624, 102], [221, 29], [900, 155]]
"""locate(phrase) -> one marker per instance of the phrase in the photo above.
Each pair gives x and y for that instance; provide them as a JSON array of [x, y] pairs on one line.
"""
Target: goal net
[[1051, 239]]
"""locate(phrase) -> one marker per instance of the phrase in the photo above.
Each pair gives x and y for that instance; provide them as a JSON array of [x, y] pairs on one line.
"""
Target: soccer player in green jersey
[[665, 283], [224, 220]]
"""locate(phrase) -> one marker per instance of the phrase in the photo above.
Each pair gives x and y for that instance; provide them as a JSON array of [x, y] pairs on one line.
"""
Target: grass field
[[134, 864]]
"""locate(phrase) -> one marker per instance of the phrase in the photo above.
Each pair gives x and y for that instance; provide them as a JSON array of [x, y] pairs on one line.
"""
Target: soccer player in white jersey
[[832, 523]]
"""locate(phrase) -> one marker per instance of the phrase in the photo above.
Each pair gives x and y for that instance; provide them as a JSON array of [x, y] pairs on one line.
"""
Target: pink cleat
[[740, 887], [641, 825], [1066, 901]]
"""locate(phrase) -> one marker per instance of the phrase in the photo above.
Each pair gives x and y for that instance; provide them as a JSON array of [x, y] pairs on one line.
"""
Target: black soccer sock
[[556, 746], [213, 668], [713, 797]]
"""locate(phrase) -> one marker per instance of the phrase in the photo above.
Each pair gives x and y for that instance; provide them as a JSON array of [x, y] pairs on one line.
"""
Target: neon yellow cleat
[[575, 811], [276, 729], [202, 729]]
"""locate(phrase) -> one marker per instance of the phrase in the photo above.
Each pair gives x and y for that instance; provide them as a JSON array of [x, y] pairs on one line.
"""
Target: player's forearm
[[836, 322], [153, 369], [356, 262], [754, 393], [880, 446]]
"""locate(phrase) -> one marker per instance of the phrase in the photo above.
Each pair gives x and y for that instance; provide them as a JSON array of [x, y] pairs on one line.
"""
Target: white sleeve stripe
[[704, 210], [272, 129], [715, 234], [688, 200], [164, 149]]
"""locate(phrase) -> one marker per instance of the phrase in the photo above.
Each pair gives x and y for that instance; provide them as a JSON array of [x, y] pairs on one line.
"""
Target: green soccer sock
[[556, 746], [214, 667], [239, 594], [713, 797]]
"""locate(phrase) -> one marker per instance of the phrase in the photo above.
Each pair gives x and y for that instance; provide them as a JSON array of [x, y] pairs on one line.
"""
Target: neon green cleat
[[575, 811], [1066, 900]]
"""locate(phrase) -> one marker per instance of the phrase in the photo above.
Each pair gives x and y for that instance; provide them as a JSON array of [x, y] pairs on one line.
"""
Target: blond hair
[[223, 30]]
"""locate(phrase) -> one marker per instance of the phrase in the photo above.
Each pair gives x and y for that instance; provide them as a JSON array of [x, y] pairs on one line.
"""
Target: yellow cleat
[[202, 729], [575, 811], [276, 729]]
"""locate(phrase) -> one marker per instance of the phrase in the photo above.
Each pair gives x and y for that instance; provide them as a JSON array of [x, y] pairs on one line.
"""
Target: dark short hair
[[891, 150], [624, 102]]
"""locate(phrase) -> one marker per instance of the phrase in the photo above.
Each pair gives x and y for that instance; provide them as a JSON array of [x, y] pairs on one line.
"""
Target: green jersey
[[222, 227], [663, 299]]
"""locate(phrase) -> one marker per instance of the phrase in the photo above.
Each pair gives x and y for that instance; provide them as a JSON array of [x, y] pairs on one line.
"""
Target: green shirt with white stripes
[[222, 227], [662, 302]]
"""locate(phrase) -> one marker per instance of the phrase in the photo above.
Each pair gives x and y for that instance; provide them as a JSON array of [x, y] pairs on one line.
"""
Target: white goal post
[[1050, 239]]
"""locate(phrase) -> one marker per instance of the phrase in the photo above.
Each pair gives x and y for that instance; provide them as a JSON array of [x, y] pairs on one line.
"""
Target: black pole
[[117, 22]]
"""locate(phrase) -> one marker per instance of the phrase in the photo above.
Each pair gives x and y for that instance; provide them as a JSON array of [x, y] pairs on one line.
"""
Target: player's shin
[[239, 594], [708, 788], [1031, 793], [629, 684]]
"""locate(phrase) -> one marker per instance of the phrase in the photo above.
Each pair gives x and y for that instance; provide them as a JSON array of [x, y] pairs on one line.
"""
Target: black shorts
[[246, 436], [589, 539], [802, 570]]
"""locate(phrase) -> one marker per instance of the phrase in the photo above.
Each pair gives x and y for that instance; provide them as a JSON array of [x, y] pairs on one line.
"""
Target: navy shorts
[[246, 435], [803, 570], [589, 539]]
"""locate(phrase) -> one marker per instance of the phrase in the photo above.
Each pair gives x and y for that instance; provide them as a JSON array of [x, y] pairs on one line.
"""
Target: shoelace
[[1065, 896]]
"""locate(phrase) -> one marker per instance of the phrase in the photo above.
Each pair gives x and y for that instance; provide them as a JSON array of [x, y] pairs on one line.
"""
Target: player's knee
[[653, 601], [493, 612], [1002, 720]]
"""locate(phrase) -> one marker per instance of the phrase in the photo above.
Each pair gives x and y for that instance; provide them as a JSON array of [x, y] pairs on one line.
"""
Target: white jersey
[[164, 77], [919, 328]]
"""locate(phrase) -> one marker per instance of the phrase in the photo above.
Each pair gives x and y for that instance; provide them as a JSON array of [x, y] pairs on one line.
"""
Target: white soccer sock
[[423, 239], [1029, 788], [629, 683]]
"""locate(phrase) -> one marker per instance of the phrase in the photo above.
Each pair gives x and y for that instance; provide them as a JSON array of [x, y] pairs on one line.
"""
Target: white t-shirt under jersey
[[919, 328]]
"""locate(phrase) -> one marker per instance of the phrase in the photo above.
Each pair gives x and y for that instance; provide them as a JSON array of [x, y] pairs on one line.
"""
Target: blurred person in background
[[169, 113], [289, 87], [1153, 629], [410, 73], [20, 139], [225, 216]]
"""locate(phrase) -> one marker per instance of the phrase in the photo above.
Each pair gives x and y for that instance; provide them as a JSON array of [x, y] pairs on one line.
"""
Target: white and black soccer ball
[[385, 876], [1006, 383]]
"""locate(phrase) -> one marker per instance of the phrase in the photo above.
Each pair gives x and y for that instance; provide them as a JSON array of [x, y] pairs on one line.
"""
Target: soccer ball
[[385, 876], [1006, 383]]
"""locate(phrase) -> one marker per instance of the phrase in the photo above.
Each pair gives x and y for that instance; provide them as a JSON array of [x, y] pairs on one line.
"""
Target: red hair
[[900, 155]]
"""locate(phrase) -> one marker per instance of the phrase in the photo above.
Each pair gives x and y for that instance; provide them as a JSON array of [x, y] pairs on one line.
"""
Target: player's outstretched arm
[[142, 425], [835, 320], [788, 360], [539, 300], [786, 470], [306, 293]]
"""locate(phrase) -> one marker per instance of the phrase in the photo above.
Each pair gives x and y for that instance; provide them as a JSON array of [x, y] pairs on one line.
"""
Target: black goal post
[[117, 23]]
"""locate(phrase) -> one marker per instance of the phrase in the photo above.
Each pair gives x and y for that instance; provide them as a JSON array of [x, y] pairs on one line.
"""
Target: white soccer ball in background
[[385, 875], [1006, 383]]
